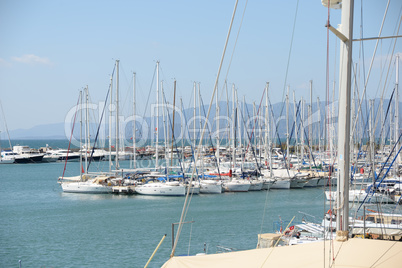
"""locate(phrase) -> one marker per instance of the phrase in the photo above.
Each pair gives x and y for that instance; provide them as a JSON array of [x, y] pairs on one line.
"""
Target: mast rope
[[328, 133], [71, 136], [369, 72], [100, 121], [203, 131], [5, 124]]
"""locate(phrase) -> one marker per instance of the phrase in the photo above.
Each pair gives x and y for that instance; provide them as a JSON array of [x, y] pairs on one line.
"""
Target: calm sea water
[[44, 227]]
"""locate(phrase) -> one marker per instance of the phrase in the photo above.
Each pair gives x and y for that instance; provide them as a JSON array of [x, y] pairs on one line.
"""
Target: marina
[[42, 226], [40, 217], [229, 175]]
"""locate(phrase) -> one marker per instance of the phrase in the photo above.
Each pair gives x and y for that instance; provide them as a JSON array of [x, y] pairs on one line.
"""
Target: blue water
[[44, 227]]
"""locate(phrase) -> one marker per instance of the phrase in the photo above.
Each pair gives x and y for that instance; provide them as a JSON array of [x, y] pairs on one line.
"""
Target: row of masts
[[260, 131]]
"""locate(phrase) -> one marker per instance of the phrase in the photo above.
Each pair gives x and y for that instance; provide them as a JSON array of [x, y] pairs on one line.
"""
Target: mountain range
[[58, 131]]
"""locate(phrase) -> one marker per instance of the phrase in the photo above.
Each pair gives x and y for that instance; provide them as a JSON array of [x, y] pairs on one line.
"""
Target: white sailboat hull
[[162, 189], [210, 187], [296, 183], [86, 188], [281, 184], [255, 185], [267, 184], [360, 196], [236, 186]]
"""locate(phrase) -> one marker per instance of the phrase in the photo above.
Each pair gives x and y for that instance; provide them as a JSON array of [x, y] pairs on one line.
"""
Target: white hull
[[297, 183], [267, 184], [236, 186], [255, 185], [210, 187], [281, 184], [313, 182], [195, 189], [159, 188], [360, 195], [6, 161], [86, 188]]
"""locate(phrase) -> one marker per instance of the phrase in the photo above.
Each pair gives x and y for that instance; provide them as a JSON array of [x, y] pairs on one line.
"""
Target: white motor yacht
[[61, 155], [7, 157], [24, 154]]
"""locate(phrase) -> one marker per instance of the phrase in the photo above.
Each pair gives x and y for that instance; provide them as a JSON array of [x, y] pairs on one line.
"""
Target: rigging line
[[384, 254], [290, 51], [276, 126], [203, 130], [288, 63], [149, 94], [386, 161], [210, 138], [100, 121], [363, 58], [125, 100], [327, 129], [191, 98], [371, 65], [327, 75], [252, 132], [393, 50], [172, 128], [71, 136], [386, 173], [386, 114], [263, 214], [5, 124], [249, 141], [258, 112], [235, 43], [308, 144], [97, 132], [188, 133]]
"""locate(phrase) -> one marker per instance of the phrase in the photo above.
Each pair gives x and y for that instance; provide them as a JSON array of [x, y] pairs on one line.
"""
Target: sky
[[50, 50]]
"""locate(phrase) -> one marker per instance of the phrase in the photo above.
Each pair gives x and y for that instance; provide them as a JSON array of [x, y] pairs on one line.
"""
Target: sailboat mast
[[233, 127], [81, 135], [217, 126], [110, 123], [134, 125], [174, 106], [302, 130], [87, 136], [287, 129], [295, 123], [397, 109], [157, 116], [319, 125], [165, 129], [199, 112], [310, 124], [266, 122], [346, 28], [195, 114], [117, 114]]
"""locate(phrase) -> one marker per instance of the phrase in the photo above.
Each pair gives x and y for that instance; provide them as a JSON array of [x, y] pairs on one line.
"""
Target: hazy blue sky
[[49, 50]]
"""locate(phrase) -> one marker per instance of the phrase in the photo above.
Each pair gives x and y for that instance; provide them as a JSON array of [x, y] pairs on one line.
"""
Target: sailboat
[[92, 183], [344, 252]]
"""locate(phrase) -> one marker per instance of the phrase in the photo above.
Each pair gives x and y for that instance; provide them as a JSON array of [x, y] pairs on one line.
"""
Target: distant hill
[[57, 130], [47, 131]]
